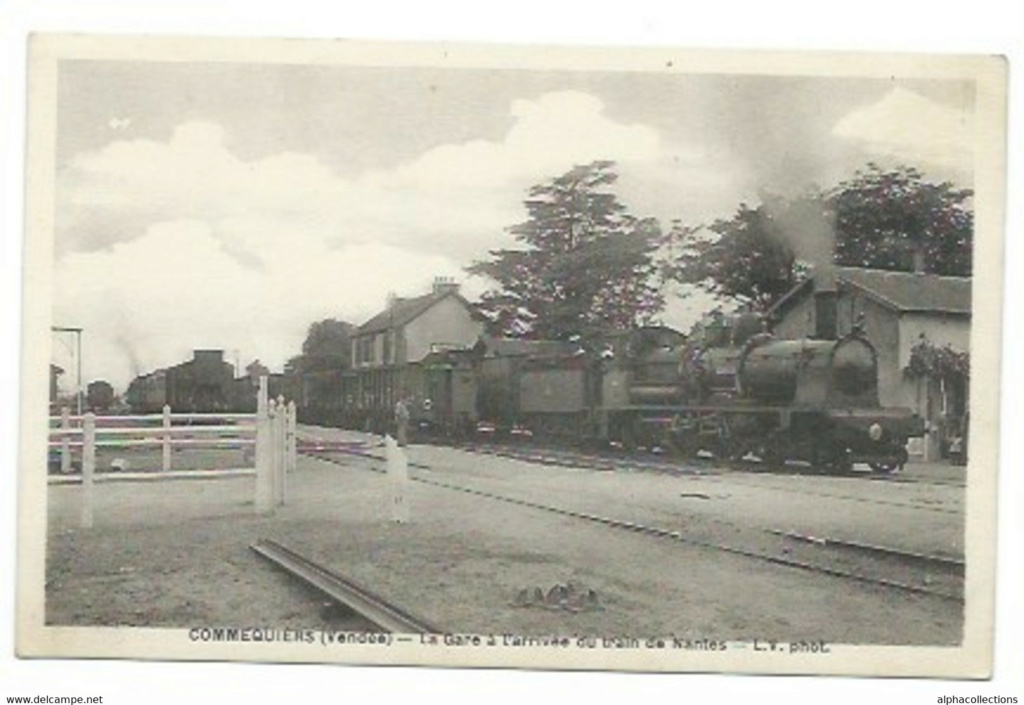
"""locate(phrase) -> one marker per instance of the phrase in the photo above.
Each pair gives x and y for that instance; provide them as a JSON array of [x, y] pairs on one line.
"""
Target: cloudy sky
[[231, 205]]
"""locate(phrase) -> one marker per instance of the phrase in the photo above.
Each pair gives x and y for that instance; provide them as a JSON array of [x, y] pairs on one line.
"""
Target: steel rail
[[674, 535], [376, 609], [691, 466], [952, 565], [725, 548], [803, 491]]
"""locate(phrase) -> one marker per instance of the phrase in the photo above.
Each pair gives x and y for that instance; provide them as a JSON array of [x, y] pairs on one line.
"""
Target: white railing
[[271, 432]]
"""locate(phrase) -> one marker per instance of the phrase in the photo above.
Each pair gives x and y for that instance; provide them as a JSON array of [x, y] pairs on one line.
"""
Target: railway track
[[346, 591], [610, 463], [638, 462], [733, 480], [916, 582]]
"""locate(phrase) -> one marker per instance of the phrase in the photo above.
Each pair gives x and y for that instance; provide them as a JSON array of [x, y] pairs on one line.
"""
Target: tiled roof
[[907, 291], [899, 291], [403, 311]]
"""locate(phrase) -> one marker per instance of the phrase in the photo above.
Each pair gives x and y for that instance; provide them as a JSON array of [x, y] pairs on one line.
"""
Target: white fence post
[[282, 449], [65, 441], [264, 468], [398, 474], [88, 468], [277, 413], [166, 464], [291, 459]]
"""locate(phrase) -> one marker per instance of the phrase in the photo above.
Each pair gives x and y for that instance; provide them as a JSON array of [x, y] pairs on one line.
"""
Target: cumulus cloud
[[148, 303], [167, 246], [906, 126], [464, 194]]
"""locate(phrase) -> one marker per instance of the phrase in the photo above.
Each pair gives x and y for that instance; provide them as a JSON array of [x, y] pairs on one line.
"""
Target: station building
[[388, 349]]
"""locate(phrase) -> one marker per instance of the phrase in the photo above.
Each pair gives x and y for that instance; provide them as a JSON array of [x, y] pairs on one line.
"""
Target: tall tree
[[586, 264], [327, 346], [879, 219], [883, 217], [99, 395], [742, 258]]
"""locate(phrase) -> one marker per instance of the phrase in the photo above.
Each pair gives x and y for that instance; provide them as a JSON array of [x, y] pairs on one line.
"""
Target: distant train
[[732, 391], [204, 384]]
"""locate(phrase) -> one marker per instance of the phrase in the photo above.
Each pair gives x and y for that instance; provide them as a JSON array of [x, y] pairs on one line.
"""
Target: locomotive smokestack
[[809, 230]]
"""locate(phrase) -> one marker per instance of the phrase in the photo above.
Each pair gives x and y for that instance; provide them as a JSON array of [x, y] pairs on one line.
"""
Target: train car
[[147, 394], [441, 394], [502, 365], [732, 390], [556, 395], [326, 397], [204, 384]]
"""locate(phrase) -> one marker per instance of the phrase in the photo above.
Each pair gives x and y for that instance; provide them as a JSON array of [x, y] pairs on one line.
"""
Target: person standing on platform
[[402, 422]]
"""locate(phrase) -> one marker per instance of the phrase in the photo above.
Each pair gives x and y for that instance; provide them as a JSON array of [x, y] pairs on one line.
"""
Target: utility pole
[[78, 362]]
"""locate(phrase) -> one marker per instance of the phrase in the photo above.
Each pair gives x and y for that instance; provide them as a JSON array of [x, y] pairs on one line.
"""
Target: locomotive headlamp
[[875, 432]]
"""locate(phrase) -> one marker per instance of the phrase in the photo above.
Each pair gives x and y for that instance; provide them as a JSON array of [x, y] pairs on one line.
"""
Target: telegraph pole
[[78, 362]]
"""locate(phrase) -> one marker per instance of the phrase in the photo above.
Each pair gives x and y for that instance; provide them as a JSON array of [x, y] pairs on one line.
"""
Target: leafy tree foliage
[[99, 395], [929, 360], [586, 264], [883, 217], [327, 347], [879, 219], [744, 258]]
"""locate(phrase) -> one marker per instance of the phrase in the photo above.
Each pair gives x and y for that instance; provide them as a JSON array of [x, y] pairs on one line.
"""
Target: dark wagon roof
[[512, 347]]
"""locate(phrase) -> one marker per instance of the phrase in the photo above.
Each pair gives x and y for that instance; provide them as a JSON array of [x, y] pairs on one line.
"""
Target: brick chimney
[[443, 285], [918, 260]]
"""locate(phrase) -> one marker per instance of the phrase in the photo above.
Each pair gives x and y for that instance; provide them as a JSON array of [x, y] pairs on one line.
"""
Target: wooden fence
[[270, 433]]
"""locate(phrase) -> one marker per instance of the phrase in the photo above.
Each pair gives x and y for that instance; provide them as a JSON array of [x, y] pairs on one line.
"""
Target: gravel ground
[[151, 459], [176, 554], [909, 516]]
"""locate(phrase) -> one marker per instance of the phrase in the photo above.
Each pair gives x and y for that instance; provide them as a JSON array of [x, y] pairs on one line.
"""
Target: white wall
[[447, 322], [940, 330]]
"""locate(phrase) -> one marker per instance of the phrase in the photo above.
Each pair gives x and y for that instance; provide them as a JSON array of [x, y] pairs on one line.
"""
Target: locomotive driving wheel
[[832, 458], [771, 451]]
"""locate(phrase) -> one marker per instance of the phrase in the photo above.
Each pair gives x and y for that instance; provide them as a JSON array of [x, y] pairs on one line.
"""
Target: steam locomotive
[[731, 390], [203, 384]]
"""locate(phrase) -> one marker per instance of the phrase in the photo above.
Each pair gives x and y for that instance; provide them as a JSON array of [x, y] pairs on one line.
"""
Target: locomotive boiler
[[749, 393]]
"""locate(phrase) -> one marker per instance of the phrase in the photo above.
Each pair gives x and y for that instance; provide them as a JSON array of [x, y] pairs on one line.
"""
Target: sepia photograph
[[444, 354]]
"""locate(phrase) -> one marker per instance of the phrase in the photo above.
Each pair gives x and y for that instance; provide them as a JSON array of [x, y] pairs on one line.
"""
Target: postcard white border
[[972, 660]]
